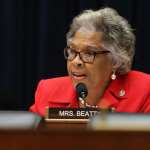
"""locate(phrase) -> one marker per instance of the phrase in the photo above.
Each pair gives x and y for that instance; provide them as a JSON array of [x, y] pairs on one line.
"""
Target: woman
[[99, 53]]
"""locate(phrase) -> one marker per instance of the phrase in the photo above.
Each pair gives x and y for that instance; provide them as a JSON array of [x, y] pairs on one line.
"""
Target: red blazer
[[128, 93]]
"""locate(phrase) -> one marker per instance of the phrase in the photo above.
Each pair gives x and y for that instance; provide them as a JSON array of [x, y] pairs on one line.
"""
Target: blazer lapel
[[65, 97]]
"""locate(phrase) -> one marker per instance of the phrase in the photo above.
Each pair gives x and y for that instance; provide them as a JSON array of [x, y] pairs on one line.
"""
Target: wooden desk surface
[[56, 136]]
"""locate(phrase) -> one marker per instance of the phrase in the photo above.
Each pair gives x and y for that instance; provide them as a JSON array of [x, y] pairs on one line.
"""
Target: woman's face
[[96, 74]]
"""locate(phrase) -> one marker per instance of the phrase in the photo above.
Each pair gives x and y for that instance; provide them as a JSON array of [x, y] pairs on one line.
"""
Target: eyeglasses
[[87, 56]]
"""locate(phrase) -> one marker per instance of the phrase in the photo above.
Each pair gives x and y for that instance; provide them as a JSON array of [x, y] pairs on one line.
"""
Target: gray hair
[[117, 33]]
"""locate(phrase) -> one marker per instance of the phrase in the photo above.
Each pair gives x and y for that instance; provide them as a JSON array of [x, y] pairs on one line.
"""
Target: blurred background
[[32, 39]]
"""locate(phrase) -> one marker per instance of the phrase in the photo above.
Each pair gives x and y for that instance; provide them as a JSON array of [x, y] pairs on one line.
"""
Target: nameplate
[[71, 114]]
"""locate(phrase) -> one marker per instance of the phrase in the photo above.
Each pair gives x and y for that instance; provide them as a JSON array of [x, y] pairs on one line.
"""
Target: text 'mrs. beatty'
[[72, 113]]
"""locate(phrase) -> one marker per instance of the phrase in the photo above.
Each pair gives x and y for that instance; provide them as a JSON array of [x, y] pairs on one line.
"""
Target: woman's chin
[[77, 81]]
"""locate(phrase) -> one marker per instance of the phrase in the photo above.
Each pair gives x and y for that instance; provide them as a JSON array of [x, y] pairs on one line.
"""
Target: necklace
[[91, 106], [84, 104]]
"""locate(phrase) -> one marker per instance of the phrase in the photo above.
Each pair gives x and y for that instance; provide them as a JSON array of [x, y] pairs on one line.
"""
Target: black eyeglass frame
[[80, 54]]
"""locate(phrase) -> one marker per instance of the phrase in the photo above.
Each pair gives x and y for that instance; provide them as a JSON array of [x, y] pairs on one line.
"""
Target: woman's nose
[[77, 61]]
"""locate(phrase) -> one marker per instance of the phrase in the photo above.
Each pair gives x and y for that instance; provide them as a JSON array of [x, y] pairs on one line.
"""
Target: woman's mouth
[[78, 76]]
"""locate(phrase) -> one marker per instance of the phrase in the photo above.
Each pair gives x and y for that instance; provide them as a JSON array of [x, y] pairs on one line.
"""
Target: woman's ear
[[116, 66]]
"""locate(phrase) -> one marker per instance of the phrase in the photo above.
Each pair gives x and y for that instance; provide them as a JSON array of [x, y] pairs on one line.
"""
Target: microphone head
[[81, 90]]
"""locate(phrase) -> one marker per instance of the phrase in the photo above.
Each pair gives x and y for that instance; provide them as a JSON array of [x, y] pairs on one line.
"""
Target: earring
[[113, 76]]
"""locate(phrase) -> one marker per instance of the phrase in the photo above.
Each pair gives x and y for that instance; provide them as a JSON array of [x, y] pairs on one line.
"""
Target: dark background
[[32, 39]]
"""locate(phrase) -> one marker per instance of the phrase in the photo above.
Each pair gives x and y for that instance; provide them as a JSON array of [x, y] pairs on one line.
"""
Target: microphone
[[82, 92]]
